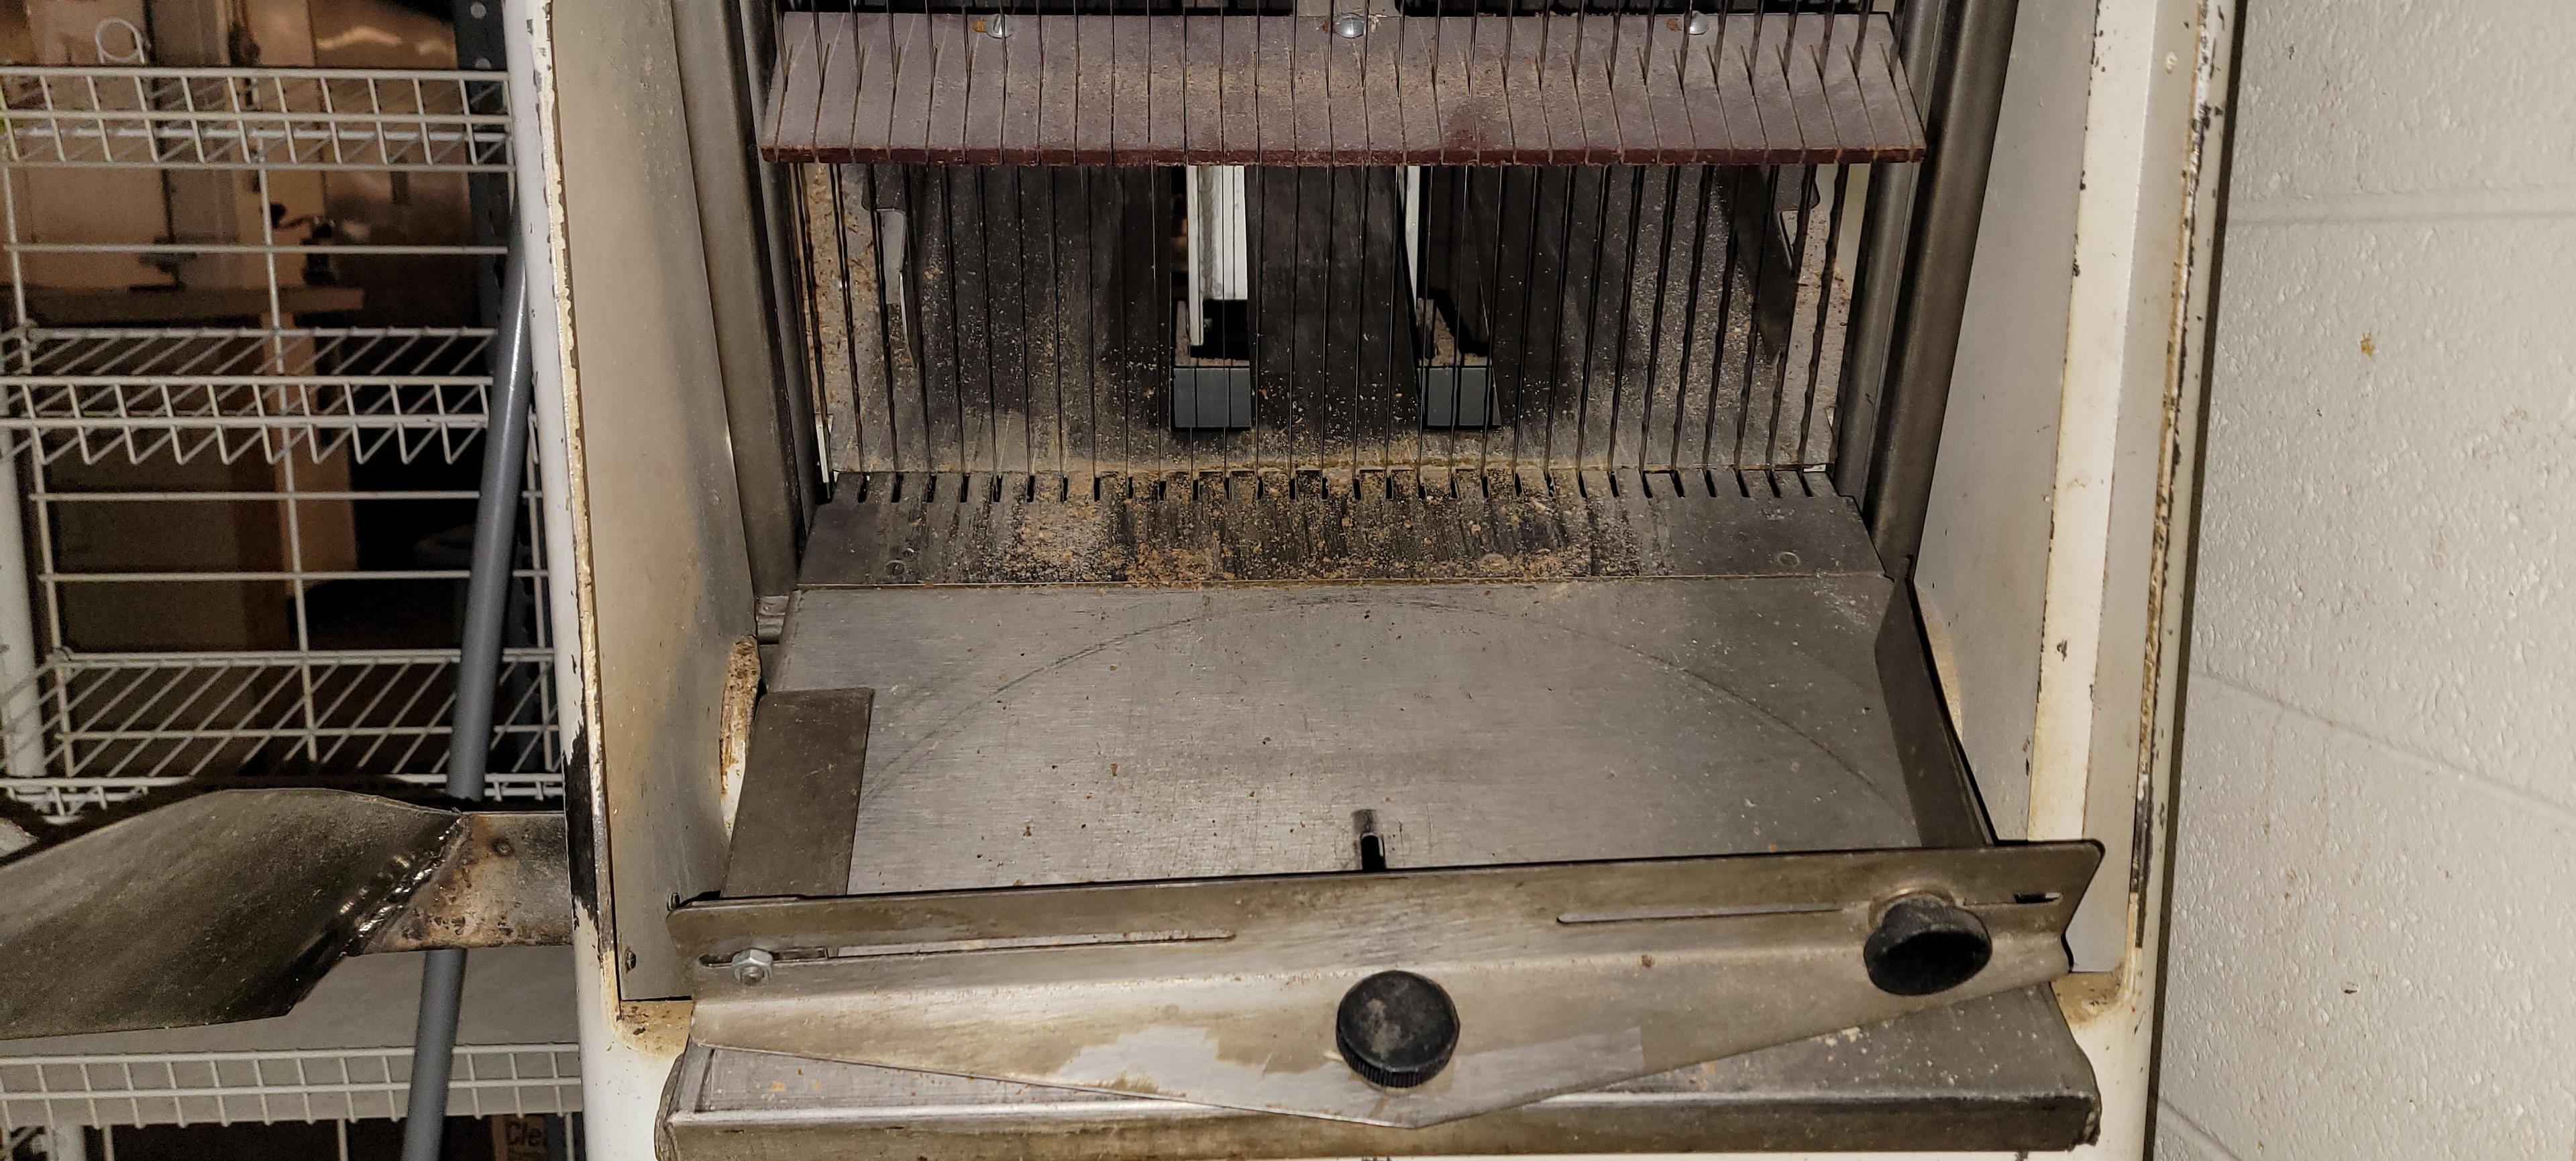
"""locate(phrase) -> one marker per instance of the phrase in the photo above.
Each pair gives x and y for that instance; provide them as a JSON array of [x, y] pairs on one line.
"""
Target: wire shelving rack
[[265, 425]]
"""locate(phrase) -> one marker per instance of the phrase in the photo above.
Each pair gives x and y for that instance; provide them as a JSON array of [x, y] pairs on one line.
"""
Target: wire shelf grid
[[281, 1085], [91, 731], [228, 118], [235, 392]]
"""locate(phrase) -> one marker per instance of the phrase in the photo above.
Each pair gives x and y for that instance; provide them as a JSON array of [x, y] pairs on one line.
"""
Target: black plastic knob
[[1925, 944], [1396, 1029]]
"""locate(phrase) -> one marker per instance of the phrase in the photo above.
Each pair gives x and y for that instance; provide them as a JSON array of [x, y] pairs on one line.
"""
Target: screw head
[[1701, 24], [997, 26], [1396, 1029], [751, 966], [1350, 25]]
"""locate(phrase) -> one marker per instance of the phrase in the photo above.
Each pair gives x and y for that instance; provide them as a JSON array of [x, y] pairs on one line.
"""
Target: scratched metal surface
[[1068, 734], [2000, 1073]]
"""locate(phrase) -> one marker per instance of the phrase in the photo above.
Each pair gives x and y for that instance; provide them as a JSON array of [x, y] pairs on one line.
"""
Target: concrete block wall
[[2373, 933]]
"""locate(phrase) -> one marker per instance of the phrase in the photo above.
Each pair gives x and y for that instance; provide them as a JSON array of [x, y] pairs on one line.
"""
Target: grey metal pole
[[478, 671], [1886, 223], [1934, 295]]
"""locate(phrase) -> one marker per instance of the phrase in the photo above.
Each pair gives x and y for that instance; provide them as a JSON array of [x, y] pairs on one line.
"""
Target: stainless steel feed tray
[[1068, 735], [1136, 839]]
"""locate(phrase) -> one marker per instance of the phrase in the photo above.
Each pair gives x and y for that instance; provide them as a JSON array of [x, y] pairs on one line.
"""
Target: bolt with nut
[[751, 966]]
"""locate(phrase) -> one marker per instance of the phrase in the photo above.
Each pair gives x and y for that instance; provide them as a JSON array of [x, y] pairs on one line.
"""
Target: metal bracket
[[231, 905], [800, 793], [502, 880]]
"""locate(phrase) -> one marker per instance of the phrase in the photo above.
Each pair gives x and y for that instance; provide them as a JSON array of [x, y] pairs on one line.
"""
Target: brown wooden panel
[[1800, 44], [1844, 98], [1560, 93], [796, 87], [1024, 62], [1562, 88], [1238, 89], [1348, 113], [1274, 61], [1623, 66], [1202, 66], [1784, 139], [1689, 61], [1166, 89], [1059, 90], [1418, 88], [836, 107], [1310, 106], [948, 49], [1593, 49], [1730, 69], [1891, 109], [1659, 54], [1130, 80], [1092, 111], [908, 141], [988, 81], [1511, 88], [1381, 92], [872, 118]]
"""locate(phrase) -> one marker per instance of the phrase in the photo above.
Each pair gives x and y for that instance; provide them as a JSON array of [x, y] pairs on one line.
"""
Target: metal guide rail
[[1402, 999]]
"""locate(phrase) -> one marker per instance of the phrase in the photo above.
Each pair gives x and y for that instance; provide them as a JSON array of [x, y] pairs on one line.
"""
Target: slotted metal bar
[[1715, 346], [1572, 73]]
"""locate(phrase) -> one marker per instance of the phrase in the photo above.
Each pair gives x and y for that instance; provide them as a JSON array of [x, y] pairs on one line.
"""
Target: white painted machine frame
[[641, 501]]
